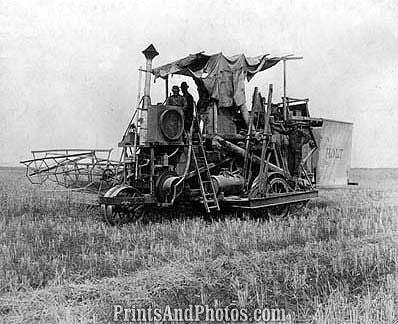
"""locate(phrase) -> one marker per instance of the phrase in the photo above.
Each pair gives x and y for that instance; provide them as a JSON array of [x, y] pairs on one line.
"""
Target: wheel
[[257, 190], [107, 175], [122, 214], [278, 185], [298, 207]]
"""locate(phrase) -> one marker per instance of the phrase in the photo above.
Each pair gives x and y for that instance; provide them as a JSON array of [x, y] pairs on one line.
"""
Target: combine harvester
[[229, 159]]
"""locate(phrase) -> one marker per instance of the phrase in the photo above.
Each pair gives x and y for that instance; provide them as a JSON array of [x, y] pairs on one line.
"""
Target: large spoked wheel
[[257, 190], [278, 185], [122, 214]]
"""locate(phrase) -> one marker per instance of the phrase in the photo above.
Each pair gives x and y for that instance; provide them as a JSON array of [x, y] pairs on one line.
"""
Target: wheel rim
[[256, 191], [278, 185], [119, 215]]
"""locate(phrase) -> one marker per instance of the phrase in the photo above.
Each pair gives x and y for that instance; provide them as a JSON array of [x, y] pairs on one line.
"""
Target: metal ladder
[[207, 189]]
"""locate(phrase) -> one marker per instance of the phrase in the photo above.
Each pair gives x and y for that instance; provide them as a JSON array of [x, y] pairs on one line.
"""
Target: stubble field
[[334, 261]]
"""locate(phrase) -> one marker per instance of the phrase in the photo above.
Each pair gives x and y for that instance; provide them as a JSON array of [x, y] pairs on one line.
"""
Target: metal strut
[[207, 189]]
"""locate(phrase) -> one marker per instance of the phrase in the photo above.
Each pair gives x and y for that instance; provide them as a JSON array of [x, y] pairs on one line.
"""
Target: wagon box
[[332, 162]]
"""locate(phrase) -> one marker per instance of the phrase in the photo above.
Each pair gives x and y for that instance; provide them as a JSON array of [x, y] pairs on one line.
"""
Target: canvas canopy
[[222, 76]]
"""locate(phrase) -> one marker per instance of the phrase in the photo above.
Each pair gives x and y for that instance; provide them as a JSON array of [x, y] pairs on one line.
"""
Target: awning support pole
[[285, 115], [284, 59], [167, 86]]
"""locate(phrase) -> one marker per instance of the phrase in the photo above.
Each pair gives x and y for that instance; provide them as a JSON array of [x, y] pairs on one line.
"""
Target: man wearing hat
[[188, 110], [176, 99]]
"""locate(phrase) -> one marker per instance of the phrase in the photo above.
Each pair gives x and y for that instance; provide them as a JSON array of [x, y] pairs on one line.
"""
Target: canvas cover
[[222, 76]]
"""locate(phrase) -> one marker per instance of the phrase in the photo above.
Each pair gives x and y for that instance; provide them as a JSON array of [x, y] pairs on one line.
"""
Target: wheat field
[[334, 261]]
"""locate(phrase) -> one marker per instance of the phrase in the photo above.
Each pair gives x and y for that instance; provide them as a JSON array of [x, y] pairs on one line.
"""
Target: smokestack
[[150, 53]]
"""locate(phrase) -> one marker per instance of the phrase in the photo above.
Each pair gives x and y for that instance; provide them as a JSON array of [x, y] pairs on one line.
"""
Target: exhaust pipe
[[150, 53]]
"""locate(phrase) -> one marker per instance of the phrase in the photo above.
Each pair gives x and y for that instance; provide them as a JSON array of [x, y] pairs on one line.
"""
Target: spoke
[[278, 185], [119, 215]]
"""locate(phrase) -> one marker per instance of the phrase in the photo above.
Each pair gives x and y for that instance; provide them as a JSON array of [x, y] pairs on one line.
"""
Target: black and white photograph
[[198, 161]]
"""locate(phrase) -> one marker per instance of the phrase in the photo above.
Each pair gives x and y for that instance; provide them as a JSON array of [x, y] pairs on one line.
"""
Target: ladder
[[207, 189]]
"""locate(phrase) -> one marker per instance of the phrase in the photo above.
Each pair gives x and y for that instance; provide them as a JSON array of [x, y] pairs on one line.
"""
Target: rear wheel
[[278, 185], [298, 208]]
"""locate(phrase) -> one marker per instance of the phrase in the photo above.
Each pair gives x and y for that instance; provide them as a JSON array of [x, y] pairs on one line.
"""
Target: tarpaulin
[[222, 76]]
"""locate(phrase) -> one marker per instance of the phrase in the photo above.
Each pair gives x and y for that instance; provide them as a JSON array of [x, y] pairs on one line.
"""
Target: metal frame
[[270, 200], [82, 169], [72, 167]]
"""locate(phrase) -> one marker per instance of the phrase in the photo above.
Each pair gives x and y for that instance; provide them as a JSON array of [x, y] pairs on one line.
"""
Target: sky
[[69, 69]]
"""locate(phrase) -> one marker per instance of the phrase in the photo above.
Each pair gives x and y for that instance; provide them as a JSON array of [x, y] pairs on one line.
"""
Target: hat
[[184, 85], [175, 88]]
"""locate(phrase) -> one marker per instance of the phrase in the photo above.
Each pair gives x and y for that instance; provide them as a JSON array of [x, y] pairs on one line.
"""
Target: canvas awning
[[222, 76]]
